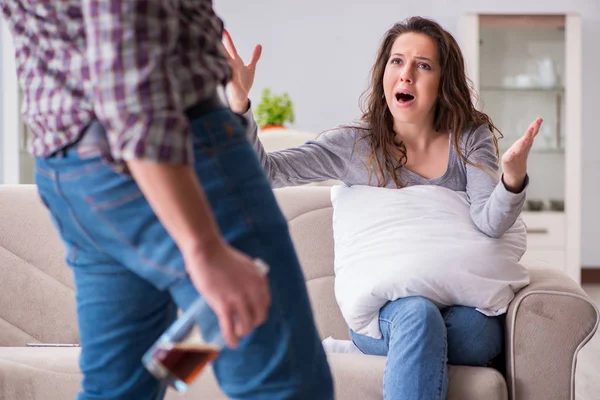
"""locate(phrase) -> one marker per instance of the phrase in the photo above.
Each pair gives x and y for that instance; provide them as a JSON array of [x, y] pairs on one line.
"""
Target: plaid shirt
[[135, 65]]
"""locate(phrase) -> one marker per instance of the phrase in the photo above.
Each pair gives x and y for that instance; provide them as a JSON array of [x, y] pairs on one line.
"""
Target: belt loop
[[60, 153]]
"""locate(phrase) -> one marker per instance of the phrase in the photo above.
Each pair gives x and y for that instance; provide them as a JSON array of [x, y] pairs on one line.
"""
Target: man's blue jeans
[[419, 340], [130, 276]]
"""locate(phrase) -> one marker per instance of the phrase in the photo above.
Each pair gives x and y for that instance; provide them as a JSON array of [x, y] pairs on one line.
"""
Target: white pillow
[[418, 241]]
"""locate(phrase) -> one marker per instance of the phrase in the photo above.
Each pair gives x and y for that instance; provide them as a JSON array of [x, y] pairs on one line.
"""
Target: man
[[158, 196]]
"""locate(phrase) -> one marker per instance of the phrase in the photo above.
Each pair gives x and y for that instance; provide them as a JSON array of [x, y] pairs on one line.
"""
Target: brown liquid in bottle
[[186, 360]]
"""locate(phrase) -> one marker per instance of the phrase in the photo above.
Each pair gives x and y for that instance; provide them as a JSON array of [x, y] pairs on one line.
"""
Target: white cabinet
[[545, 240], [545, 229], [554, 259], [525, 66]]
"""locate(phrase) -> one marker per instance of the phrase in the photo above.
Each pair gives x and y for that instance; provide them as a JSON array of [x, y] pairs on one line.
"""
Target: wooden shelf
[[521, 21], [558, 89]]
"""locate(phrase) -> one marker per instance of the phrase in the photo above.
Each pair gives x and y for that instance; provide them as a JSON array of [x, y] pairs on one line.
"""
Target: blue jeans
[[130, 276], [419, 341]]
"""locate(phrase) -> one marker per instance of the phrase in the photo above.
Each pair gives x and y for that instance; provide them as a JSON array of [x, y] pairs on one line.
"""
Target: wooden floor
[[587, 375]]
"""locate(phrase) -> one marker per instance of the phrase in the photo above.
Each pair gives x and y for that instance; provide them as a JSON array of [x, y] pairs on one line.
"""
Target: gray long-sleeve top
[[340, 154]]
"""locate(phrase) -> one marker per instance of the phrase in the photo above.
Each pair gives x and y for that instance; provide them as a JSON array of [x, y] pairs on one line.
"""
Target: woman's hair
[[454, 109]]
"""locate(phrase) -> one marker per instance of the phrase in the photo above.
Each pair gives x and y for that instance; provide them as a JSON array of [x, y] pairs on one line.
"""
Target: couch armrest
[[547, 323]]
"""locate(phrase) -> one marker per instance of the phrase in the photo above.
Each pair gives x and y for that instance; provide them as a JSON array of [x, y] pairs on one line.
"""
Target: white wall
[[320, 52], [10, 125], [1, 107]]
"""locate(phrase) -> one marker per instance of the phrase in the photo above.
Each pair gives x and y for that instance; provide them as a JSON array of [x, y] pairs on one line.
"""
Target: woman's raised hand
[[243, 74], [514, 160]]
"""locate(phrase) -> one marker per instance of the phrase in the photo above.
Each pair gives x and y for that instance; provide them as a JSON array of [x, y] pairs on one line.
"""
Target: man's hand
[[243, 75], [514, 160], [233, 286]]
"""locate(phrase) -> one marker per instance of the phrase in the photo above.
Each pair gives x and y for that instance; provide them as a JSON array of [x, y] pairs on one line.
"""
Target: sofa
[[548, 322]]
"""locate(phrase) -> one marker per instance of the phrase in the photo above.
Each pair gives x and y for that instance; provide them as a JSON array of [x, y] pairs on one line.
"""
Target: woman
[[419, 127]]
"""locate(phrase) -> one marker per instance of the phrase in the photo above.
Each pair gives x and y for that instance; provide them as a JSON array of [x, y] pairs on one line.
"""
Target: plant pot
[[267, 127]]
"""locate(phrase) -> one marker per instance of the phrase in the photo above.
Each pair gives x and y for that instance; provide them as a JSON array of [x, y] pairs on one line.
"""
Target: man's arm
[[137, 99]]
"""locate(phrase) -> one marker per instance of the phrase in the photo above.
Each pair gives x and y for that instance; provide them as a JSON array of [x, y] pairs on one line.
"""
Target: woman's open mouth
[[404, 98]]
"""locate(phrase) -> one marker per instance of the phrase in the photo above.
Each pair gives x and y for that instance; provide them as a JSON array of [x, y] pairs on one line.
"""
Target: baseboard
[[590, 275]]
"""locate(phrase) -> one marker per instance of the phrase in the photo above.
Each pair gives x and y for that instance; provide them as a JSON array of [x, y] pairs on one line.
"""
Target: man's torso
[[54, 73]]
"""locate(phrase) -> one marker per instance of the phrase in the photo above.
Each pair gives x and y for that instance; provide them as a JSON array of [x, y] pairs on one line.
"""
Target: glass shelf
[[522, 89]]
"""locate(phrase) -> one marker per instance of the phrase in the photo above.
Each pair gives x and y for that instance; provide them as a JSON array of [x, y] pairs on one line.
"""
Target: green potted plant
[[274, 111]]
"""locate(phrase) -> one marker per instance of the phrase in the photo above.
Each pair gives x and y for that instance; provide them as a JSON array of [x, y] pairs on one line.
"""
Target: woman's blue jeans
[[130, 276], [419, 341]]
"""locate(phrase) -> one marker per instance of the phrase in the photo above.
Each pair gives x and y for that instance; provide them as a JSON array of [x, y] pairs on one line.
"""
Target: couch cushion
[[48, 373], [37, 290], [52, 374], [38, 373], [327, 314], [309, 213], [359, 376]]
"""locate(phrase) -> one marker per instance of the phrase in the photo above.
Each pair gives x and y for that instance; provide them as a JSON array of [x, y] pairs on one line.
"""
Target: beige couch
[[548, 322]]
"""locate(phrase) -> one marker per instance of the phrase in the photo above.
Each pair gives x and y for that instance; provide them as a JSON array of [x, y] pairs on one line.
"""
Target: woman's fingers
[[229, 45], [529, 132], [537, 126], [534, 132], [525, 143], [534, 129], [227, 55], [255, 56]]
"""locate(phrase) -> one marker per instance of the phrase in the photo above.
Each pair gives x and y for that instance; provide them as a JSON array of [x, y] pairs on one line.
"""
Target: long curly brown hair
[[454, 109]]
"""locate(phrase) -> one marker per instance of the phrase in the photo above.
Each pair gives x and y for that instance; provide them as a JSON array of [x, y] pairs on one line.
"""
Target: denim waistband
[[217, 101]]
